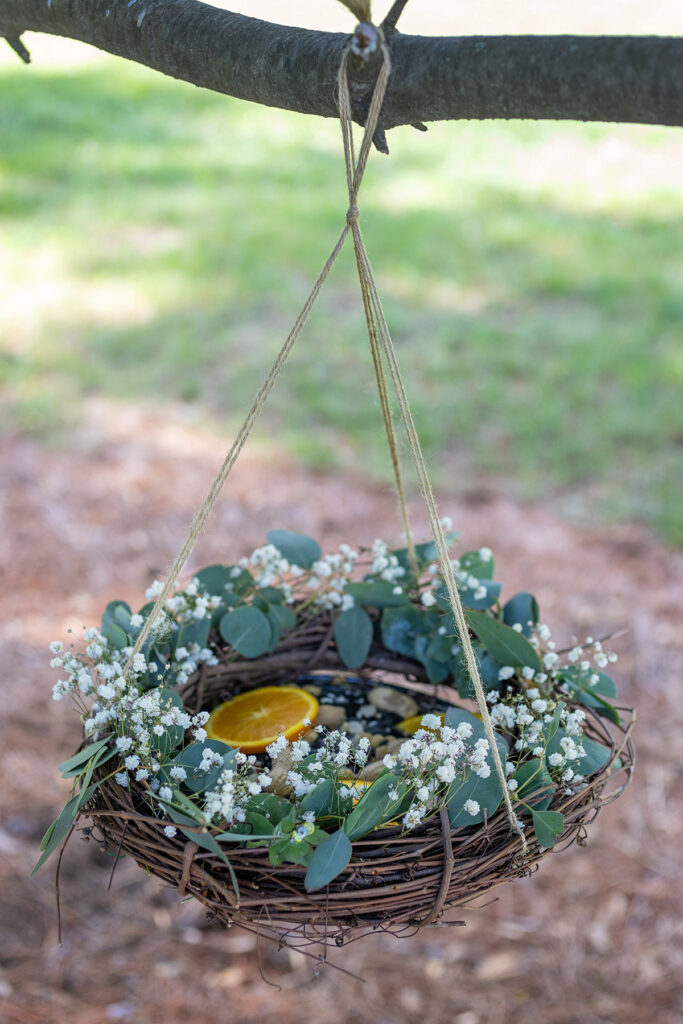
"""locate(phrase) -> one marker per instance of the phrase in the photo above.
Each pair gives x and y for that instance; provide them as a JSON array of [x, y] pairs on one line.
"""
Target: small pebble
[[387, 699], [330, 715]]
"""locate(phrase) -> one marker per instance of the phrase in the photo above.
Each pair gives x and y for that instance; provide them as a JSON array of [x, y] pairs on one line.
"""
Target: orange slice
[[254, 719], [412, 724]]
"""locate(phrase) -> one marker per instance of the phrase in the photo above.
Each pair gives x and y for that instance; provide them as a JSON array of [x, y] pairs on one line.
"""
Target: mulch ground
[[595, 936]]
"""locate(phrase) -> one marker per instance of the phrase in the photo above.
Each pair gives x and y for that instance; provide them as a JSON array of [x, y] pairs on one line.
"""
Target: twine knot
[[352, 214]]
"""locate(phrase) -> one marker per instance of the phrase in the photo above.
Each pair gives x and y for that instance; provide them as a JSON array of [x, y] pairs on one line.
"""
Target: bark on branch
[[607, 78]]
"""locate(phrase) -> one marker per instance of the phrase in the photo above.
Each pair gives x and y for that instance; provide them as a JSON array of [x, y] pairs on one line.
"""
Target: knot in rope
[[352, 214]]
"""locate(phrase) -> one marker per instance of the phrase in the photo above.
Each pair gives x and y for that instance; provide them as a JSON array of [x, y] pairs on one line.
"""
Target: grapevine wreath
[[296, 745]]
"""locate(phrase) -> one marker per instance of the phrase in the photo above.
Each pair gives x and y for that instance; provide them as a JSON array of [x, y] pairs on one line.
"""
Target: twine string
[[355, 176], [380, 341], [377, 324]]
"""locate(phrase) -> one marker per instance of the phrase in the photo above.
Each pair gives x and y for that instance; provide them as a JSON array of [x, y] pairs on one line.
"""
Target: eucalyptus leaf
[[504, 644], [81, 758], [117, 637], [273, 808], [194, 632], [437, 671], [329, 860], [522, 608], [531, 777], [487, 792], [353, 636], [469, 598], [118, 612], [239, 582], [377, 594], [295, 851], [322, 800], [374, 805], [474, 565], [214, 579], [297, 548], [548, 826], [425, 553], [247, 630], [259, 823], [173, 735], [594, 759], [191, 757], [59, 829], [400, 627]]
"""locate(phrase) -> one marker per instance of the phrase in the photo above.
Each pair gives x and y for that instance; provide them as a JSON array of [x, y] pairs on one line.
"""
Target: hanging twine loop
[[378, 328], [380, 344]]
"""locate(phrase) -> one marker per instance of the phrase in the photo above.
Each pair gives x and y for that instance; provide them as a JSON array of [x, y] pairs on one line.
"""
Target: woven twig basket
[[394, 882]]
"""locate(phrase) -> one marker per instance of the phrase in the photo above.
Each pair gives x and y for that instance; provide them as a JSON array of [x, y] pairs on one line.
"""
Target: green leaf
[[474, 565], [239, 582], [247, 630], [592, 695], [467, 595], [487, 792], [532, 777], [194, 632], [173, 734], [595, 757], [374, 806], [425, 553], [116, 636], [521, 608], [59, 829], [401, 626], [552, 727], [322, 800], [548, 826], [282, 619], [118, 612], [297, 548], [329, 860], [80, 759], [190, 758], [376, 594], [214, 579], [292, 850], [259, 823], [353, 636], [505, 645], [437, 671], [274, 808]]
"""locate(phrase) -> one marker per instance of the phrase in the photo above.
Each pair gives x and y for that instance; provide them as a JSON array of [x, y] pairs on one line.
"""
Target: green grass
[[157, 242]]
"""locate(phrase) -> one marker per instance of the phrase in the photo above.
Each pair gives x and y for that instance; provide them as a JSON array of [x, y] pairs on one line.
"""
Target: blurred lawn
[[157, 241]]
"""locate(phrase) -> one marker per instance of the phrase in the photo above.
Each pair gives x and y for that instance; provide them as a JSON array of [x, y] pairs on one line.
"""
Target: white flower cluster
[[588, 657], [385, 566], [226, 803], [188, 605], [528, 715], [336, 754], [268, 566], [430, 762], [188, 660], [139, 717], [330, 576]]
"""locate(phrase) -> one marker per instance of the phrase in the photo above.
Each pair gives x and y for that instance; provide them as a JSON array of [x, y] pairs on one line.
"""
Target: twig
[[388, 26], [19, 48]]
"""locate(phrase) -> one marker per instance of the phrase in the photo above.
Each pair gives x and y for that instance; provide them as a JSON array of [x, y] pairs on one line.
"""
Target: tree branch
[[608, 78]]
